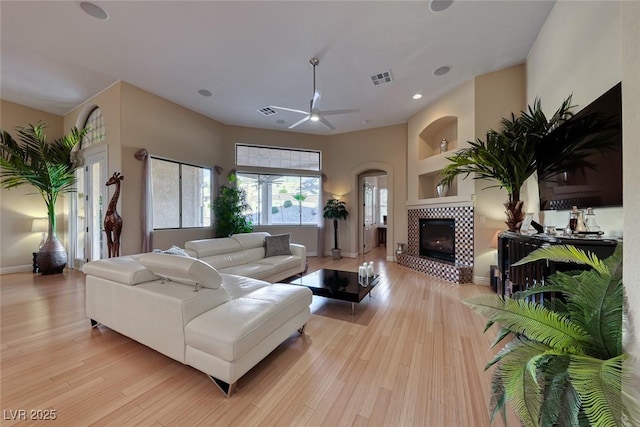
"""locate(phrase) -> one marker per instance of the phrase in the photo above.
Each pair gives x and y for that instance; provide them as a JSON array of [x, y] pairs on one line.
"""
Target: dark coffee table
[[336, 284]]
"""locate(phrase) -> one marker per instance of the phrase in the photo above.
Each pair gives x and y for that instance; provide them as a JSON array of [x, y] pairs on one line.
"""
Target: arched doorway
[[369, 179]]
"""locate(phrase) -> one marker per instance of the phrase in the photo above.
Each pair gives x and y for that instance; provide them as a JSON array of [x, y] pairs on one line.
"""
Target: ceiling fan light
[[314, 117]]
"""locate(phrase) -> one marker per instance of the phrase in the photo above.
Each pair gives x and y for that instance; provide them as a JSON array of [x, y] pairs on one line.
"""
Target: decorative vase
[[399, 250], [444, 145], [442, 190], [336, 253], [52, 257]]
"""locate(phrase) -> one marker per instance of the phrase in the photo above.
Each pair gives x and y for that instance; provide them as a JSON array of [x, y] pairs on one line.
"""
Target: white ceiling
[[255, 54]]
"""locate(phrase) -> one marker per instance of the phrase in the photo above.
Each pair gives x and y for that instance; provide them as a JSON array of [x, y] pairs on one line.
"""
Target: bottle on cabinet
[[576, 221], [590, 221]]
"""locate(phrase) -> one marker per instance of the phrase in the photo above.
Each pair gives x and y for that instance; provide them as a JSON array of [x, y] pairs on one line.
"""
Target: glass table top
[[336, 284]]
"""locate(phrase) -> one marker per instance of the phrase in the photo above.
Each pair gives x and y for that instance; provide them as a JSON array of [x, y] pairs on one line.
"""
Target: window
[[96, 133], [383, 204], [281, 199], [283, 185], [277, 158], [181, 195]]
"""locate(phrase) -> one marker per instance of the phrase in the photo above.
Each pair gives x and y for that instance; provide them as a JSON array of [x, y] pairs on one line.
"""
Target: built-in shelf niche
[[428, 182], [430, 138]]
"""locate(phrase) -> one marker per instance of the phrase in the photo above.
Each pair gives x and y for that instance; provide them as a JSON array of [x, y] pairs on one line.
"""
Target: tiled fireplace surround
[[459, 272]]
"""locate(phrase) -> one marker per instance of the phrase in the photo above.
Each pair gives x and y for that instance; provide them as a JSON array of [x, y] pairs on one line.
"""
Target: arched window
[[95, 123]]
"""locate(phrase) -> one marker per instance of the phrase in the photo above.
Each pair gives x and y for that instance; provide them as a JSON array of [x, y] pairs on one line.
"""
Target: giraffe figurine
[[112, 220]]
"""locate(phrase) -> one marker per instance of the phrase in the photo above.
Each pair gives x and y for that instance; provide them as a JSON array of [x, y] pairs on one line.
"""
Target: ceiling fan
[[314, 114]]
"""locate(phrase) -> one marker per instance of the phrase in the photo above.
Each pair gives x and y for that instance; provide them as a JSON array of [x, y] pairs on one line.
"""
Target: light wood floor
[[413, 355]]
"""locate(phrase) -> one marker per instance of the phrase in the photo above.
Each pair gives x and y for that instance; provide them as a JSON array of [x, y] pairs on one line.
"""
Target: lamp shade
[[40, 225]]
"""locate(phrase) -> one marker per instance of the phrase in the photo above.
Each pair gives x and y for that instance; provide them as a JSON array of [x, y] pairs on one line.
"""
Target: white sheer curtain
[[147, 200]]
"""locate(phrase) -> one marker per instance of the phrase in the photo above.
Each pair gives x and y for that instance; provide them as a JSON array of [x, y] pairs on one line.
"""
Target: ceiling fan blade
[[326, 123], [316, 100], [299, 122], [288, 109], [334, 112]]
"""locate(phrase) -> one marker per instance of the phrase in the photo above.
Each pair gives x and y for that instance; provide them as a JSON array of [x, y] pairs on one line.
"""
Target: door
[[88, 209], [368, 209]]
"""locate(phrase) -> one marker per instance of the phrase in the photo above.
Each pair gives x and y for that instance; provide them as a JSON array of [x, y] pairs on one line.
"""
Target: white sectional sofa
[[252, 255], [218, 323]]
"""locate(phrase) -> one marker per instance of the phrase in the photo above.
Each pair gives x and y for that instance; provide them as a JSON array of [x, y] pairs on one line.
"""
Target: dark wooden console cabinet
[[513, 246]]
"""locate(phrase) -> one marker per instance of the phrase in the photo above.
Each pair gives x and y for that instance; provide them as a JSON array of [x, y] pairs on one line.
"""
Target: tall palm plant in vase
[[47, 167], [564, 364], [335, 209], [522, 146]]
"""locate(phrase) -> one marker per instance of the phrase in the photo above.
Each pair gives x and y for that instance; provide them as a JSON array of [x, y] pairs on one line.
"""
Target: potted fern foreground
[[334, 210], [48, 168], [522, 146], [564, 363]]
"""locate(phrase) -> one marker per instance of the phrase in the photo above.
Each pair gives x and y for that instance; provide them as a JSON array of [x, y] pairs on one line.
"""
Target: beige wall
[[349, 154], [630, 20], [497, 95], [166, 130], [457, 103], [137, 119], [19, 206]]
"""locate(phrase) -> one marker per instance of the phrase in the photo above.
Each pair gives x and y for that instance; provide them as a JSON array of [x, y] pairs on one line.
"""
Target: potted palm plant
[[334, 210], [228, 210], [47, 167], [564, 364], [521, 147]]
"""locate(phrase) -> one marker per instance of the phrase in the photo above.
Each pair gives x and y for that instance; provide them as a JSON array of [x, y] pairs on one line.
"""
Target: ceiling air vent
[[267, 111], [381, 78]]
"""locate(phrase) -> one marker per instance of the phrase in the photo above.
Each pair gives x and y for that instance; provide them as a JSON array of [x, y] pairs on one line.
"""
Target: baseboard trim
[[16, 269], [481, 280], [344, 254]]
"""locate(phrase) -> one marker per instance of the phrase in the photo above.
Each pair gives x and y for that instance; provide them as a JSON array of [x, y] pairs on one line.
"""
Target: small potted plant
[[335, 209]]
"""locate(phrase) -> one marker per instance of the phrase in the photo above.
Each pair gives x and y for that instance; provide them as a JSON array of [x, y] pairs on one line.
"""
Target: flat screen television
[[589, 187]]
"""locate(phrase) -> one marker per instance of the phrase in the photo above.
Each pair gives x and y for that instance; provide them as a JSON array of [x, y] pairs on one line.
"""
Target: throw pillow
[[277, 245], [173, 250]]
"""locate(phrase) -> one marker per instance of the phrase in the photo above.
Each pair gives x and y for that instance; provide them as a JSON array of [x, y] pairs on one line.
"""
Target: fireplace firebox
[[438, 238]]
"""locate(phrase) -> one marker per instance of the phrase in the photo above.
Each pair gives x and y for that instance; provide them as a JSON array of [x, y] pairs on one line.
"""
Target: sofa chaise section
[[220, 324]]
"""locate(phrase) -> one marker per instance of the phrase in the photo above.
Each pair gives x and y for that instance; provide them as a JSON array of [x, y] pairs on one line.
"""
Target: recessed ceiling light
[[441, 71], [364, 122], [93, 10], [417, 96], [439, 5], [205, 92], [280, 121]]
